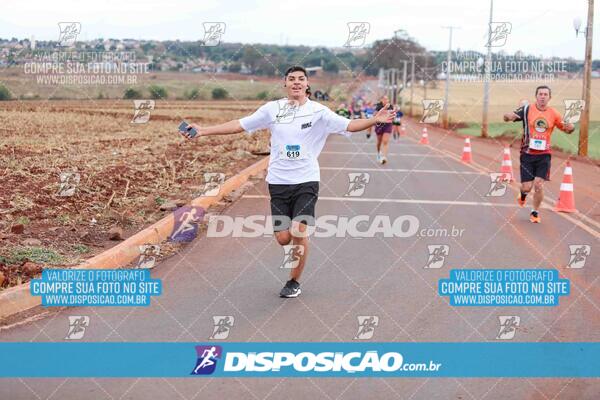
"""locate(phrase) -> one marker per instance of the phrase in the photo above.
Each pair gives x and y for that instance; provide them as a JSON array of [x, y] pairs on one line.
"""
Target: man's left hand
[[569, 128], [385, 115]]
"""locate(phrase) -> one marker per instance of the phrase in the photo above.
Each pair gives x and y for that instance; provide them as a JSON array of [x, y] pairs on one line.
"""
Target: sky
[[539, 27]]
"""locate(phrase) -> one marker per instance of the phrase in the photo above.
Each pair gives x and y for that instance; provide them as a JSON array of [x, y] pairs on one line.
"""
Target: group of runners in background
[[362, 108]]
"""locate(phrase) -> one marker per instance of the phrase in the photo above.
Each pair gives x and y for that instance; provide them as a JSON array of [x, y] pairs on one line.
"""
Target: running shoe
[[379, 157], [535, 217], [521, 201], [383, 159], [291, 289]]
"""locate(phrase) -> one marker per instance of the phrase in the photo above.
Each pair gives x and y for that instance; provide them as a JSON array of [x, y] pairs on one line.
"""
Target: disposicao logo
[[351, 362], [327, 361], [207, 359]]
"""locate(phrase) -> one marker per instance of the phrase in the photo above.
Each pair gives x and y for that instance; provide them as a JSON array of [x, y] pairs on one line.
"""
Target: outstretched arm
[[260, 119], [511, 116], [383, 116], [227, 128], [517, 115]]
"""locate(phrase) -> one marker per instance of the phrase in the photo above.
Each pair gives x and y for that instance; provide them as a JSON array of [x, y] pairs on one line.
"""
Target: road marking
[[389, 154], [372, 144], [406, 201], [427, 171], [547, 203]]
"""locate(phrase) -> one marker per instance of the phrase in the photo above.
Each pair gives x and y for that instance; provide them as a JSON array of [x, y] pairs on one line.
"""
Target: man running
[[383, 130], [539, 121], [299, 128]]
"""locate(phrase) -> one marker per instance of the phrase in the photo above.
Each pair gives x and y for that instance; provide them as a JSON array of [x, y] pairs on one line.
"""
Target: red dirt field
[[126, 172]]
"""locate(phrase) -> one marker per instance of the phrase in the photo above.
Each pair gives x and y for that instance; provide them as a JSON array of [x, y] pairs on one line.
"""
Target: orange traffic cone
[[466, 156], [506, 168], [402, 130], [566, 198], [424, 136]]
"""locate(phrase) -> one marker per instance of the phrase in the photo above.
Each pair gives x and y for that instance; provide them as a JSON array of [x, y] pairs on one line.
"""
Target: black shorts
[[293, 202], [535, 165]]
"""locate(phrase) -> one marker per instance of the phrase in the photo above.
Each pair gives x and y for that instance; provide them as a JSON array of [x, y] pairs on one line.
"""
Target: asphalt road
[[347, 277]]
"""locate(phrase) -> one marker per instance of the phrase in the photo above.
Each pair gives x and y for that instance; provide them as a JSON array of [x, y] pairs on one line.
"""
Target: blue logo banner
[[299, 359], [504, 287], [95, 287]]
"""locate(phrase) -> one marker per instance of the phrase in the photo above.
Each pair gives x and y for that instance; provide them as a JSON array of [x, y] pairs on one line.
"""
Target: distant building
[[314, 71]]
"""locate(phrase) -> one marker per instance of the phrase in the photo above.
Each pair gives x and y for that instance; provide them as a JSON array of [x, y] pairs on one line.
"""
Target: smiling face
[[296, 83]]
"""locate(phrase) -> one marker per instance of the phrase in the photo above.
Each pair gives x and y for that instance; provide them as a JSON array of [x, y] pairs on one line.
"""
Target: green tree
[[157, 92], [235, 67], [251, 58], [4, 93], [219, 93], [331, 66], [131, 93], [262, 95], [193, 94]]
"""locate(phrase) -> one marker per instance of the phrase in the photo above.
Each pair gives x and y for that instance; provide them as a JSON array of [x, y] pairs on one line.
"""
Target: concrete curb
[[18, 298]]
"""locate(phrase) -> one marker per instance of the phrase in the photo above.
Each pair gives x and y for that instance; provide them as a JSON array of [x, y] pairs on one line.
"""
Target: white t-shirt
[[298, 134]]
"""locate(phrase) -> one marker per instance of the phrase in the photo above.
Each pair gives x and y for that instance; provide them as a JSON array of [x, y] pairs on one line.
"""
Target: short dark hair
[[543, 87], [295, 68]]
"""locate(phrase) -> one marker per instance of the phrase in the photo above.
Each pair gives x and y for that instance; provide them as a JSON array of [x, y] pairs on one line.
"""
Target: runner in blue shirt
[[369, 111], [397, 123]]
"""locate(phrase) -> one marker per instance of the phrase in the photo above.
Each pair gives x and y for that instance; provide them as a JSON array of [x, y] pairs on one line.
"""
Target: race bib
[[537, 144], [293, 152]]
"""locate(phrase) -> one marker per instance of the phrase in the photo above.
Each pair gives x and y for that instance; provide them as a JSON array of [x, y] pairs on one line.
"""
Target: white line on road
[[372, 144], [429, 171], [407, 201], [548, 201], [389, 154]]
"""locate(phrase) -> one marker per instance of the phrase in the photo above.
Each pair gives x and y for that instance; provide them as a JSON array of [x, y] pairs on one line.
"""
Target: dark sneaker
[[535, 217], [291, 289]]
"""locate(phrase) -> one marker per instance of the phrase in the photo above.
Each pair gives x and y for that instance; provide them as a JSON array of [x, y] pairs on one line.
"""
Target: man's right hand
[[187, 132]]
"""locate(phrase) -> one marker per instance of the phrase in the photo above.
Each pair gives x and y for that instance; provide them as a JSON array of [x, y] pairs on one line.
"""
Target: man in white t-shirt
[[299, 128]]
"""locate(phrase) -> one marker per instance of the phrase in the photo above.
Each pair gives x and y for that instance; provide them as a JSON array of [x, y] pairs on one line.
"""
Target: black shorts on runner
[[535, 165], [293, 202]]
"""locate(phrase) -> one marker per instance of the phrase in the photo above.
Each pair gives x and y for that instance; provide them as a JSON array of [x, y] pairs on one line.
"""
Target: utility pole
[[405, 65], [486, 80], [448, 61], [412, 82], [425, 76], [587, 72]]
